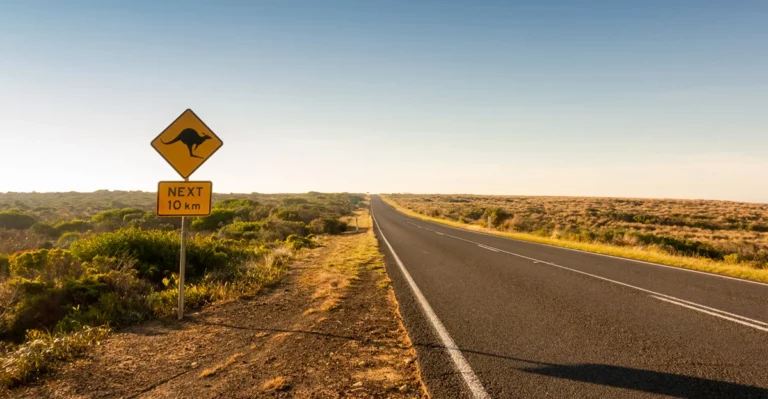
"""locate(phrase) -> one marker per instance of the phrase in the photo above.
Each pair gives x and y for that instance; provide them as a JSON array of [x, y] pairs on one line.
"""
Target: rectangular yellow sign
[[184, 198]]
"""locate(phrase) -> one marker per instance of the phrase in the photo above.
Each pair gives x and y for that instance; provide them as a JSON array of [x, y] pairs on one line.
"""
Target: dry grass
[[715, 236], [275, 384], [212, 371], [42, 351], [363, 220], [347, 256]]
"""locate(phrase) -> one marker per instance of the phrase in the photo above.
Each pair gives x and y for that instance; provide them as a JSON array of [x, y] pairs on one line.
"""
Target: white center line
[[488, 248], [761, 328], [757, 324]]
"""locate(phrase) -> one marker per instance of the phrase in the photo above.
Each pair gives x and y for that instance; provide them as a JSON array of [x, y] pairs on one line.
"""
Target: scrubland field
[[74, 265], [718, 236]]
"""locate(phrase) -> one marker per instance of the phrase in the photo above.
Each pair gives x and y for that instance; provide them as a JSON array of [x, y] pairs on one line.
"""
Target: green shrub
[[288, 215], [15, 219], [4, 265], [28, 262], [733, 259], [234, 204], [241, 230], [80, 226], [42, 350], [116, 215], [472, 213], [67, 239], [497, 215], [327, 225], [294, 201], [48, 263], [42, 304], [217, 219], [157, 252], [115, 218], [151, 221], [45, 230], [297, 242], [279, 230]]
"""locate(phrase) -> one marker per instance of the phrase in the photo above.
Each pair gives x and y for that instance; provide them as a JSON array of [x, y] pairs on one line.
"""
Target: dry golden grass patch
[[558, 214], [363, 219], [275, 384], [347, 254], [212, 371]]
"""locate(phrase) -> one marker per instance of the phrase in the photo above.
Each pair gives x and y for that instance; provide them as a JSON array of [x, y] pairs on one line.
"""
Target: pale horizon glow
[[653, 99]]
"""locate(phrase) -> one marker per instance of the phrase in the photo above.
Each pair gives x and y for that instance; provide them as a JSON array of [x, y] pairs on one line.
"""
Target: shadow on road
[[680, 386]]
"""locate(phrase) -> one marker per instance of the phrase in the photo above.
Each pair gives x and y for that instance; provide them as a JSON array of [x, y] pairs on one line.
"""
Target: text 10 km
[[177, 206], [184, 198]]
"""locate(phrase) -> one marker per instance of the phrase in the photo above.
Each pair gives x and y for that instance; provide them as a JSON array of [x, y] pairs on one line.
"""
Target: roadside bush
[[45, 230], [115, 218], [157, 252], [67, 239], [295, 201], [472, 213], [4, 265], [80, 226], [241, 230], [151, 221], [242, 208], [41, 350], [44, 303], [288, 215], [498, 215], [16, 220], [28, 262], [49, 264], [297, 242], [217, 219], [732, 259], [327, 225], [279, 230]]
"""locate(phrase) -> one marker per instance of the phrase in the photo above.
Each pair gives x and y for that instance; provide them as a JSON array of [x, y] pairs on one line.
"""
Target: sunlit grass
[[702, 264], [42, 350]]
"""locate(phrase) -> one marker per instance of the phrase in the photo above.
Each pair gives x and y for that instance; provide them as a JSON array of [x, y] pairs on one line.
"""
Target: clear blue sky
[[611, 98]]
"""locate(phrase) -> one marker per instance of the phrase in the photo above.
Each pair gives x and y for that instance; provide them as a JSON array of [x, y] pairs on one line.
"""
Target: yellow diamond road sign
[[187, 143]]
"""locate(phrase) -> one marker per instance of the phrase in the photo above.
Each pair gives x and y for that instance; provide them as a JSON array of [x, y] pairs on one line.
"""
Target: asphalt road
[[500, 318]]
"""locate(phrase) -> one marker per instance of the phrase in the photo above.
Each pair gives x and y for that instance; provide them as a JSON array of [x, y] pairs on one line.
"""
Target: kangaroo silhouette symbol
[[191, 139]]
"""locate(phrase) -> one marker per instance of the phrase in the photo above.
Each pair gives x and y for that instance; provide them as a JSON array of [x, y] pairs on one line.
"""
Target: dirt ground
[[327, 330]]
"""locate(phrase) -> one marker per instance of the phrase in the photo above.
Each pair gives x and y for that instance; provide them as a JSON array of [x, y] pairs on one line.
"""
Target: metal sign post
[[182, 265]]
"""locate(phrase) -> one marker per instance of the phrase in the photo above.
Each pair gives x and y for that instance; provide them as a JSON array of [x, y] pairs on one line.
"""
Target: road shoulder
[[330, 329]]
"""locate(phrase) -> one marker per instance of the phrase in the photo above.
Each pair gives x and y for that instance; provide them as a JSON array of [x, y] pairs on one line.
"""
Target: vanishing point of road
[[498, 318]]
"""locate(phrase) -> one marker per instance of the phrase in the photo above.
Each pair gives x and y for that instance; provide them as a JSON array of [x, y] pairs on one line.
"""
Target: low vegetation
[[717, 236], [65, 282]]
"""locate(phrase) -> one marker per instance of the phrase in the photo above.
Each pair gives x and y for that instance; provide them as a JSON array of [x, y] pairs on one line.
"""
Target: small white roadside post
[[357, 227], [489, 223]]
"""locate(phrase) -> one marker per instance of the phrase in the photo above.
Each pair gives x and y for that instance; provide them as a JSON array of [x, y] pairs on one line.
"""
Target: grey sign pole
[[182, 265]]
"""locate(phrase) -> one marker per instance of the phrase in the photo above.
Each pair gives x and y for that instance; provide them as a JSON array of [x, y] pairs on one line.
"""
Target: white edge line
[[743, 280], [711, 313], [693, 305], [470, 378]]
